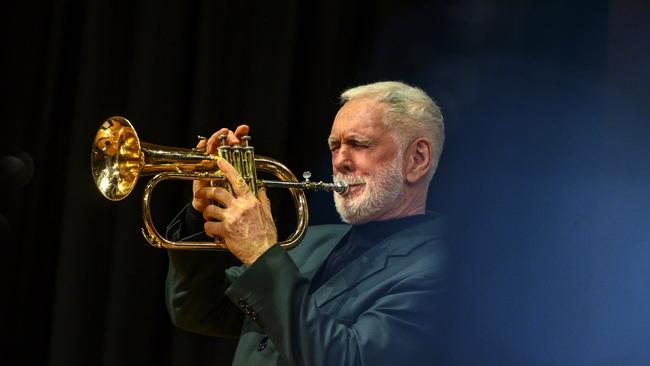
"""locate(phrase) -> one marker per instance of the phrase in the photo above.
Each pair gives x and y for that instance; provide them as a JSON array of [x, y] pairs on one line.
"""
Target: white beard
[[382, 189]]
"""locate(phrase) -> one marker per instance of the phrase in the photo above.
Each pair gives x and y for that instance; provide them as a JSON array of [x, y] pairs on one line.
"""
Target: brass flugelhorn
[[119, 158]]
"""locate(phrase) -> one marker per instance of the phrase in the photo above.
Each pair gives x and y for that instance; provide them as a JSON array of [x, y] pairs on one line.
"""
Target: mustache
[[348, 179]]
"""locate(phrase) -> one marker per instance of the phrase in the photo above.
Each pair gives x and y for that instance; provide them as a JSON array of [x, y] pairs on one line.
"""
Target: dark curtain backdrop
[[544, 176]]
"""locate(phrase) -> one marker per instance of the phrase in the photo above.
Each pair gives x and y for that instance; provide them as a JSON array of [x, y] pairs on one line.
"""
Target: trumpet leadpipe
[[340, 187]]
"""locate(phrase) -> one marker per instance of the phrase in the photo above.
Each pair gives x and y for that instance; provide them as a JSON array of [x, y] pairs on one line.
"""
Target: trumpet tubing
[[118, 159]]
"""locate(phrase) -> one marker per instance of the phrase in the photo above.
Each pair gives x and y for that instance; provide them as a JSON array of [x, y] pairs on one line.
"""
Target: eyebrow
[[331, 141], [364, 141]]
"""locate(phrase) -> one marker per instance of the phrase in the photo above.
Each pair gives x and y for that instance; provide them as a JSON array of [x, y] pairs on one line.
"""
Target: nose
[[342, 161]]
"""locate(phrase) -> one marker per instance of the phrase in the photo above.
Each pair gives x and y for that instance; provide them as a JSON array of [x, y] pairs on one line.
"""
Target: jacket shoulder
[[325, 232]]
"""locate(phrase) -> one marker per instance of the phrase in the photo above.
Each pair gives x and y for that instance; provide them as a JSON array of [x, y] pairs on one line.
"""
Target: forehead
[[359, 116]]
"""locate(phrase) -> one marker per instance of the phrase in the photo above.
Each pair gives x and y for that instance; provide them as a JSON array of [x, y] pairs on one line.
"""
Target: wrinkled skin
[[362, 146], [242, 220], [359, 142]]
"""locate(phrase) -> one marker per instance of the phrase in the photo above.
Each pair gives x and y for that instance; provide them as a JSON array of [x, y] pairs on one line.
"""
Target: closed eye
[[359, 144], [353, 143]]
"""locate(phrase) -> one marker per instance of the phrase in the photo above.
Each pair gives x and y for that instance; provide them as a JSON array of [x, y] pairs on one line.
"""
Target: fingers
[[202, 200], [233, 138], [239, 186], [214, 142], [261, 194], [217, 194], [214, 213], [214, 228], [241, 131], [198, 203]]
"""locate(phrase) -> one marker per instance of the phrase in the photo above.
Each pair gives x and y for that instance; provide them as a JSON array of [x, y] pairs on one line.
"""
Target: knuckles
[[249, 205], [245, 216]]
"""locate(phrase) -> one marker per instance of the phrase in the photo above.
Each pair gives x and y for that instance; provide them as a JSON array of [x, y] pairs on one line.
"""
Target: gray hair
[[410, 113]]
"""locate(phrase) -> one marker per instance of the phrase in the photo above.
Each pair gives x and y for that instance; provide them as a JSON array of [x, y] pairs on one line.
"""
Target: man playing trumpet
[[365, 293]]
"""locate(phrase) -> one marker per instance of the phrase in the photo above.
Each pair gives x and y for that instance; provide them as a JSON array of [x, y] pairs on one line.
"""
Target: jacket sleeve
[[196, 281], [401, 325]]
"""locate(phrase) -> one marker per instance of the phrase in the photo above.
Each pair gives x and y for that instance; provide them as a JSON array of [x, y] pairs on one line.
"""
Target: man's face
[[365, 155]]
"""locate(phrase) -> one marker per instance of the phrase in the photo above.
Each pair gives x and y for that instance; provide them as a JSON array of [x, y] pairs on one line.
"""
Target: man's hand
[[211, 146], [244, 221]]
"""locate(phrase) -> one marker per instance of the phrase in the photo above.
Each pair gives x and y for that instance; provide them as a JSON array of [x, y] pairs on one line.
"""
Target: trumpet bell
[[116, 158]]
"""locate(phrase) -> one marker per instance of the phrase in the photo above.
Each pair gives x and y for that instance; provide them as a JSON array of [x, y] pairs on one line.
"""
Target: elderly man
[[366, 293]]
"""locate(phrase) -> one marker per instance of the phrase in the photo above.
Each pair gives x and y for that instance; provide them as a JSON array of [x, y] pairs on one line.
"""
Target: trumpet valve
[[222, 140], [306, 175], [245, 140]]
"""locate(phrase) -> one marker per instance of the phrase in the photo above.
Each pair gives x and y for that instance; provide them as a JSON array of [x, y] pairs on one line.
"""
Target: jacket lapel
[[369, 263], [374, 260]]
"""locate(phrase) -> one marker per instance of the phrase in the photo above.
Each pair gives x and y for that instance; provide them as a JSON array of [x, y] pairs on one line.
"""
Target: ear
[[417, 160]]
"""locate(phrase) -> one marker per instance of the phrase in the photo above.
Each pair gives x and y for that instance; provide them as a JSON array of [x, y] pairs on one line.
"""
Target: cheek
[[362, 162], [367, 163]]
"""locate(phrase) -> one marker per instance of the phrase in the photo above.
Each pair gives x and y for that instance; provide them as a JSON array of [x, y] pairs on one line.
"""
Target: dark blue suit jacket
[[383, 308]]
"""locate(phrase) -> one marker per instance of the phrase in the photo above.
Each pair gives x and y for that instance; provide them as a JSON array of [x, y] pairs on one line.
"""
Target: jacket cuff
[[259, 283], [193, 222]]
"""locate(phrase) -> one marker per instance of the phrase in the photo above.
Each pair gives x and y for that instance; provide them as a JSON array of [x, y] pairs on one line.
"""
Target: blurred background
[[545, 174]]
